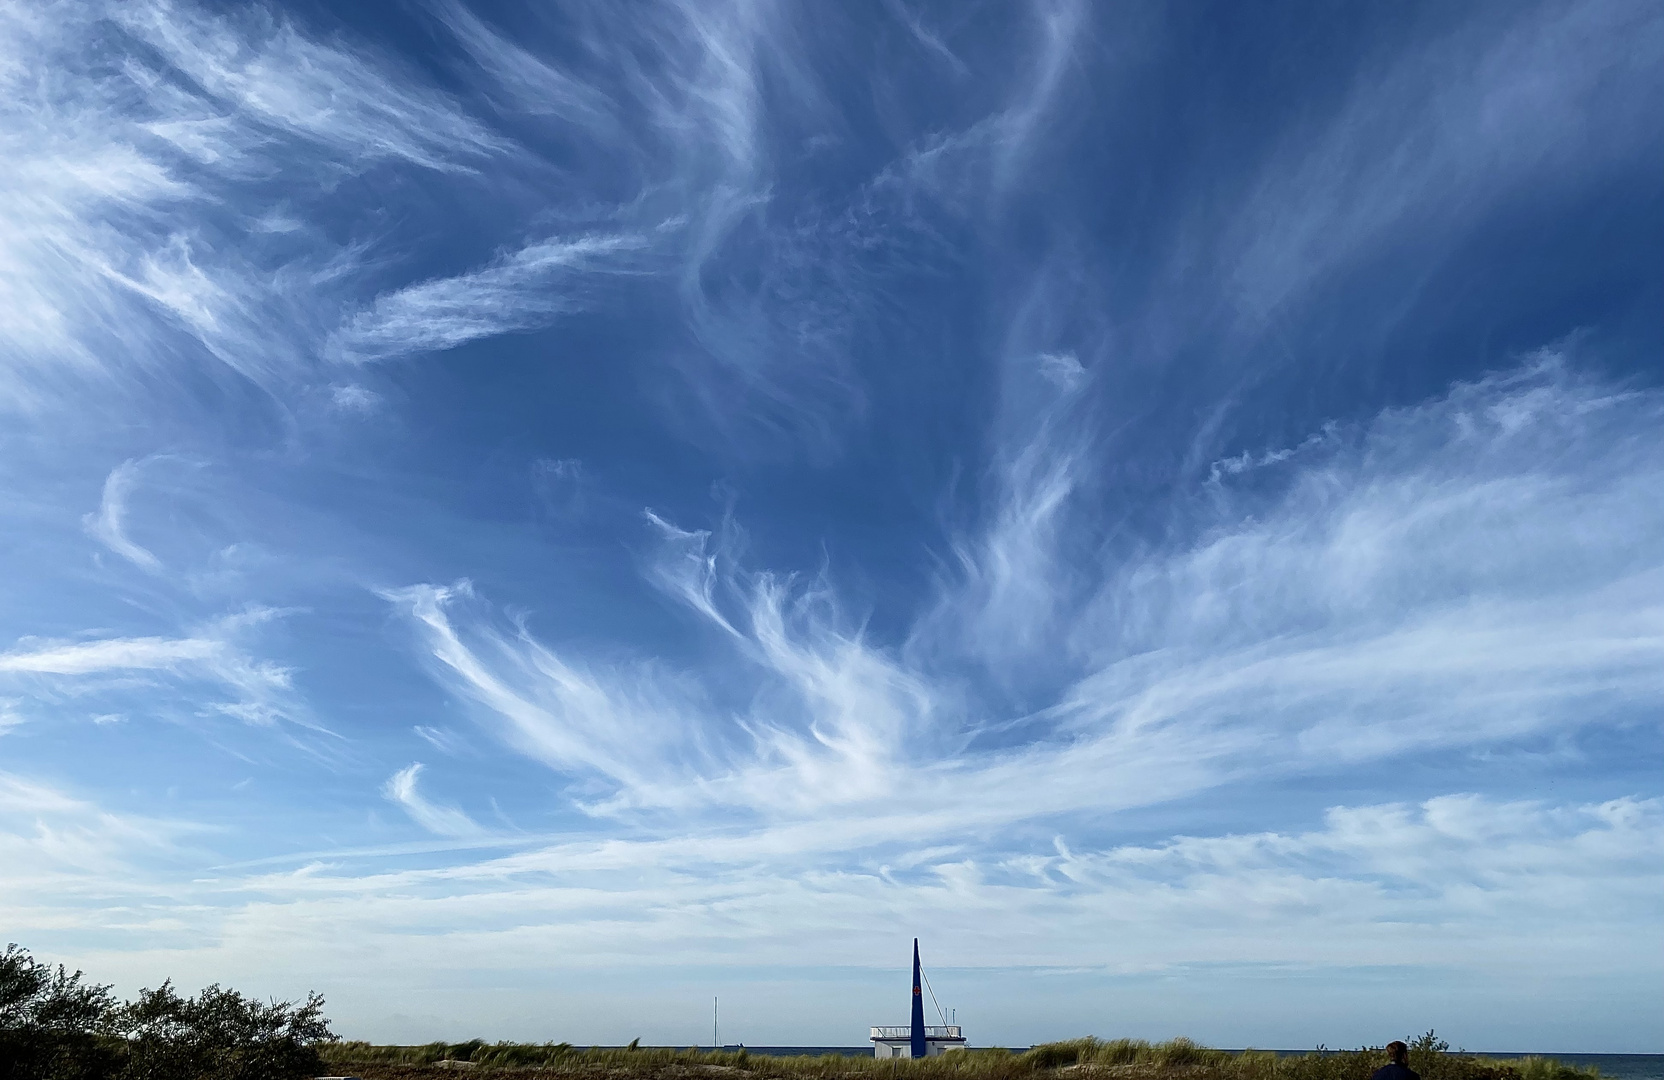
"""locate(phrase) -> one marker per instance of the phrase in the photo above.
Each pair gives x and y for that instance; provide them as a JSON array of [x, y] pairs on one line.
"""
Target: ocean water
[[1613, 1066]]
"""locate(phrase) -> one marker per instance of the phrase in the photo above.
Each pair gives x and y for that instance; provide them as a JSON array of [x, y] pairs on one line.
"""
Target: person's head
[[1398, 1053]]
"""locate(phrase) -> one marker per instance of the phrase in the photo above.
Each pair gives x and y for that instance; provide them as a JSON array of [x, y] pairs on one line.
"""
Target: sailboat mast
[[918, 1047]]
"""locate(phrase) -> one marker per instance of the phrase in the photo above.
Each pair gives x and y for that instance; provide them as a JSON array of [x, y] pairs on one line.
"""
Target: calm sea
[[1615, 1066]]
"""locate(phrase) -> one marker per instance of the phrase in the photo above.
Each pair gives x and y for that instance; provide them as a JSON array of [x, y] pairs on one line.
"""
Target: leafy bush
[[53, 1026], [220, 1035]]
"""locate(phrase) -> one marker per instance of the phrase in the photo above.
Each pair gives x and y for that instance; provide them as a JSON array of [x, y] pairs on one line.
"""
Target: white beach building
[[916, 1039], [897, 1042]]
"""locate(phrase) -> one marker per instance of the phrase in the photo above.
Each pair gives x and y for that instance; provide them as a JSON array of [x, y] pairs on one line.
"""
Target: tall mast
[[918, 1048]]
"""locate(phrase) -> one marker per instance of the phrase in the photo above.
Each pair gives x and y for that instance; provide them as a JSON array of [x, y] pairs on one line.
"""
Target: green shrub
[[54, 1026], [220, 1035]]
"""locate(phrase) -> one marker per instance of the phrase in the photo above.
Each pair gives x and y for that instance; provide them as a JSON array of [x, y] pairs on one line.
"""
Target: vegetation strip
[[1131, 1058], [54, 1025]]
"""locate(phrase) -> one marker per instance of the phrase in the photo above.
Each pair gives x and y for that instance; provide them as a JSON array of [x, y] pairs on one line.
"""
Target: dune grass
[[1132, 1059]]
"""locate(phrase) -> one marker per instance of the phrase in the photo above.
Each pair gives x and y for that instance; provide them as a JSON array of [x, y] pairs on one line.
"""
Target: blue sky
[[526, 517]]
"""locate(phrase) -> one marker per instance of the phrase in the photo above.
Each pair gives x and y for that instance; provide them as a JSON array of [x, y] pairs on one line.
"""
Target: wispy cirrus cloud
[[259, 67], [1017, 571], [1430, 138], [119, 654], [1339, 618], [68, 855], [1058, 688], [139, 208], [436, 818], [525, 289], [775, 285], [108, 525], [525, 82], [1360, 867], [570, 716], [975, 168], [210, 662], [828, 716]]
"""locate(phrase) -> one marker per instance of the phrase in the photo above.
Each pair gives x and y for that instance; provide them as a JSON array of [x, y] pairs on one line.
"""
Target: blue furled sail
[[918, 1007]]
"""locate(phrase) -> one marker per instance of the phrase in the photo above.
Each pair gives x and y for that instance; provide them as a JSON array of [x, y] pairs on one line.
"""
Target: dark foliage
[[53, 1026], [220, 1035]]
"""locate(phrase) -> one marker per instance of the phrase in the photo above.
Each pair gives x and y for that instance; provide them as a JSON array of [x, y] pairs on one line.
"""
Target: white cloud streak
[[1189, 900], [61, 848], [565, 715], [136, 232], [1422, 143], [521, 290], [1326, 614], [1453, 880], [351, 103], [527, 83], [435, 818], [261, 690], [119, 654], [1344, 621], [108, 525], [977, 167]]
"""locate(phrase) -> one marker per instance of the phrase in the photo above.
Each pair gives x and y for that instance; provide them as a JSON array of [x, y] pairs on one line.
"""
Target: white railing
[[950, 1031]]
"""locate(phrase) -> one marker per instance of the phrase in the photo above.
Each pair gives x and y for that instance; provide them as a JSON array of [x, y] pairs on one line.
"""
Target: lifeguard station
[[916, 1040]]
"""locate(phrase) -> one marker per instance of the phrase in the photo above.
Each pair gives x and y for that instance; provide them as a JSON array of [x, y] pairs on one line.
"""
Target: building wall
[[902, 1048]]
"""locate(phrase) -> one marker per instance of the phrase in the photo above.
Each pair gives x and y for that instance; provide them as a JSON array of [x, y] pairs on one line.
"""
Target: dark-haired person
[[1398, 1064]]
